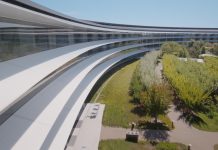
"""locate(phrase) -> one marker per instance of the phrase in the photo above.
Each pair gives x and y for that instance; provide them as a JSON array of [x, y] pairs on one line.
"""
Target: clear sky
[[183, 13]]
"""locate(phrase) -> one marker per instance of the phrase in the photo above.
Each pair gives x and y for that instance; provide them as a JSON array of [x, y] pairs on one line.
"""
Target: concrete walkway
[[86, 135], [183, 133]]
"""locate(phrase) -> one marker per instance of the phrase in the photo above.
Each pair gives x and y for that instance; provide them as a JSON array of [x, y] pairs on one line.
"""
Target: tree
[[147, 67], [214, 49], [144, 74], [157, 100], [195, 48], [136, 85], [194, 83], [175, 49]]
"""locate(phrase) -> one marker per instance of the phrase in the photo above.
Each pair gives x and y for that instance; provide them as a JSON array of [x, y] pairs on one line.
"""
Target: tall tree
[[157, 100]]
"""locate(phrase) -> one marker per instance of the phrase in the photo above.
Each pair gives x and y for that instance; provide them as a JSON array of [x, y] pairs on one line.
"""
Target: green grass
[[119, 111], [122, 145], [210, 124], [170, 146], [216, 147], [115, 96], [167, 121], [125, 145]]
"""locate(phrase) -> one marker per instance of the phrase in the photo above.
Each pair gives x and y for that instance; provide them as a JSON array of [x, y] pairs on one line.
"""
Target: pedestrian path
[[86, 135], [183, 133]]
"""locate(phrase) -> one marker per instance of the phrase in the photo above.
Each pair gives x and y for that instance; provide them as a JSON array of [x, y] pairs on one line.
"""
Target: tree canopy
[[156, 99], [175, 49]]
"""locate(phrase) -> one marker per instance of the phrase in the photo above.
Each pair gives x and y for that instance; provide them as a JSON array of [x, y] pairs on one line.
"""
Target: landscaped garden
[[151, 93], [122, 104], [195, 85], [142, 92], [138, 93]]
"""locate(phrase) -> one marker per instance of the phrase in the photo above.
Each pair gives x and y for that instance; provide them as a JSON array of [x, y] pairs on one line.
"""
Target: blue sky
[[185, 13]]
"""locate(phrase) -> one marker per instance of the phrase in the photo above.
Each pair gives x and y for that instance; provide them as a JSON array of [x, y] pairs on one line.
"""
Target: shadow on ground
[[139, 110], [156, 135], [188, 116], [191, 119], [152, 125], [134, 101]]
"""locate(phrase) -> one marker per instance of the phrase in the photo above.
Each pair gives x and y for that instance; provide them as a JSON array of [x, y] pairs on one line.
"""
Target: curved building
[[49, 63]]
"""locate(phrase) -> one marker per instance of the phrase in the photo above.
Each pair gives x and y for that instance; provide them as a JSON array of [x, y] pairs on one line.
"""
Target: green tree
[[214, 49], [136, 85], [194, 83], [156, 100], [144, 74], [175, 49], [195, 48]]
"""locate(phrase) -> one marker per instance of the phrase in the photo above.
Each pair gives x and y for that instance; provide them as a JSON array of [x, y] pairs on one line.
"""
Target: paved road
[[183, 133]]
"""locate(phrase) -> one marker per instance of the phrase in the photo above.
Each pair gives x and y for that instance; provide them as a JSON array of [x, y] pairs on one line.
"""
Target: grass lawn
[[216, 147], [119, 110], [211, 124], [124, 145]]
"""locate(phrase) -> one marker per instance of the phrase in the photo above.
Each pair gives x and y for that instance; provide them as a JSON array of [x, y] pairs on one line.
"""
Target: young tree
[[157, 100]]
